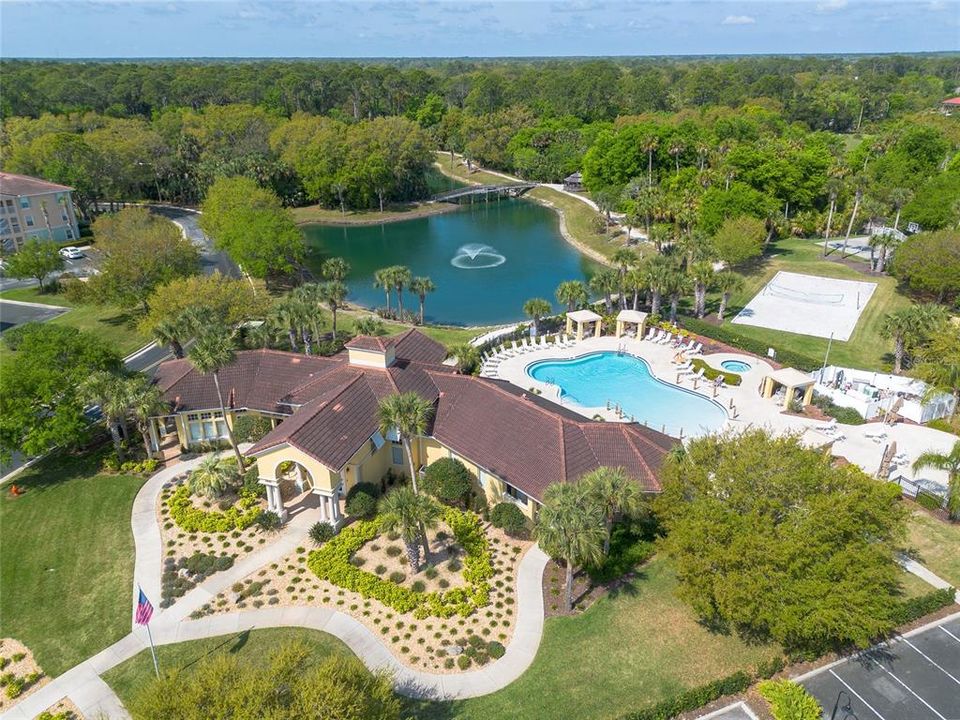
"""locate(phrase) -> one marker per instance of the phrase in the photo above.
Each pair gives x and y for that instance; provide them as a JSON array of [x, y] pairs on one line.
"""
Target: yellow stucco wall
[[323, 478], [371, 358]]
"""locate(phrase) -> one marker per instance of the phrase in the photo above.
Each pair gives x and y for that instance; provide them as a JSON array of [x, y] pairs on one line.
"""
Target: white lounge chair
[[696, 349], [651, 334], [686, 346], [543, 341], [685, 367], [667, 337]]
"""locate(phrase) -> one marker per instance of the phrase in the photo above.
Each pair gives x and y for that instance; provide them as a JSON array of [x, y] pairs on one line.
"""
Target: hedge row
[[711, 373], [331, 562], [915, 608], [694, 698], [730, 336], [190, 518]]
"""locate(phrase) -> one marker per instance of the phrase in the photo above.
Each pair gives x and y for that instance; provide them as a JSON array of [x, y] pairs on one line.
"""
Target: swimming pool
[[595, 379], [737, 366]]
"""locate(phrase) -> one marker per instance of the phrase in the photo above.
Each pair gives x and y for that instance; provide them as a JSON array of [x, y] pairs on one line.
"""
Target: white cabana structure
[[583, 318], [792, 381], [874, 394], [631, 317]]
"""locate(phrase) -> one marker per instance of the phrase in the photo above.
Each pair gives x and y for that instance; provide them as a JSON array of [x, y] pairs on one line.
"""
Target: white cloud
[[738, 20], [831, 5]]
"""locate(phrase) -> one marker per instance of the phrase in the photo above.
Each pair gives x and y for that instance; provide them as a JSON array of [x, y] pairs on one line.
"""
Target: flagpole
[[153, 652]]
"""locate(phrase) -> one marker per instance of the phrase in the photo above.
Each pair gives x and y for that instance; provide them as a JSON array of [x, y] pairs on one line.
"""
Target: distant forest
[[766, 133]]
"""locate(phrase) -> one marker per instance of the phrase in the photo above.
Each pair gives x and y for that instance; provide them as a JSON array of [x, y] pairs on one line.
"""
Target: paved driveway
[[16, 313], [915, 677]]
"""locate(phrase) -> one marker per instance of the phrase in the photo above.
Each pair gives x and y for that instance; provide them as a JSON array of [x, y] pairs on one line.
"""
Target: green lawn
[[66, 568], [116, 327], [254, 646], [865, 349], [446, 334], [627, 651], [937, 545], [392, 213]]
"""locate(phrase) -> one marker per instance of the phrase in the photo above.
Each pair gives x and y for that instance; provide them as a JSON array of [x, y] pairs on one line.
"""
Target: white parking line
[[869, 706], [949, 633], [910, 690], [931, 661]]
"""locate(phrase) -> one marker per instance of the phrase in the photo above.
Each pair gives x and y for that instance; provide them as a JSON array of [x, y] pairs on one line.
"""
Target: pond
[[486, 259]]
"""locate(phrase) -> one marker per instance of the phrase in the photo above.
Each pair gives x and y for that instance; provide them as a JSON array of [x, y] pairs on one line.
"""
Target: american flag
[[144, 609]]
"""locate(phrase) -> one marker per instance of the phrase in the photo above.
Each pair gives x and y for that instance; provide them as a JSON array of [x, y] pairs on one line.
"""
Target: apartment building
[[34, 208]]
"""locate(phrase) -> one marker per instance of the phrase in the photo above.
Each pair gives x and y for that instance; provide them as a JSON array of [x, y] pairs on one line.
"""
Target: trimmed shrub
[[269, 520], [509, 518], [789, 701], [331, 562], [627, 550], [192, 519], [320, 532], [249, 427], [730, 336], [694, 698], [448, 480], [712, 373], [495, 650], [915, 608], [398, 577], [848, 416], [362, 500]]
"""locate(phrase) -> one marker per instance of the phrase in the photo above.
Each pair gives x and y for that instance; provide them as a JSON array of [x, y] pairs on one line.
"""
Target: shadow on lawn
[[232, 643], [62, 466]]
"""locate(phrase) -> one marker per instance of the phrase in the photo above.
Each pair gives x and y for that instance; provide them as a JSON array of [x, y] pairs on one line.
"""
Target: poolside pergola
[[583, 318], [631, 317], [792, 380]]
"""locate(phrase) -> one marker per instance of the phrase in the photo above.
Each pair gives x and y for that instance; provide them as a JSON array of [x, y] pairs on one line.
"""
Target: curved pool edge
[[559, 392]]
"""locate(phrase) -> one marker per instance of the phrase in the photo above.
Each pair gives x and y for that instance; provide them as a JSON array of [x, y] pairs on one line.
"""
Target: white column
[[154, 436], [334, 509], [323, 506]]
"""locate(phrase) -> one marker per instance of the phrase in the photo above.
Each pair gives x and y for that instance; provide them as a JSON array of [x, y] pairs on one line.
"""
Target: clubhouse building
[[326, 436]]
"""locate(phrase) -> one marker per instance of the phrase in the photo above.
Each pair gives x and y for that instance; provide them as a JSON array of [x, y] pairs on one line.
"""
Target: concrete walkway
[[925, 574], [84, 686]]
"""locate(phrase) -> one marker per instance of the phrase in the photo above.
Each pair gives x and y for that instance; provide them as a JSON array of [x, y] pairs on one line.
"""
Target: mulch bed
[[585, 592]]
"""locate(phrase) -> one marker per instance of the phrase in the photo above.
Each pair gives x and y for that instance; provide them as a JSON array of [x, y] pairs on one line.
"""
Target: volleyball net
[[803, 296]]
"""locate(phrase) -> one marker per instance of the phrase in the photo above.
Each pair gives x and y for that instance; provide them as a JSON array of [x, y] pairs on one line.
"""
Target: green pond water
[[486, 259]]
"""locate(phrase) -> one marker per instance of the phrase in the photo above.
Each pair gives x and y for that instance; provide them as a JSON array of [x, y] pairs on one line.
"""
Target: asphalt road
[[14, 313], [211, 259]]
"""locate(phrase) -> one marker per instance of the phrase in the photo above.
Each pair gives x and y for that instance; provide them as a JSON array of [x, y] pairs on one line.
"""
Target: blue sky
[[475, 28]]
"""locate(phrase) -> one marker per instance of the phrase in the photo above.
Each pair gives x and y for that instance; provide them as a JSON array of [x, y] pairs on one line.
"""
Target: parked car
[[71, 253]]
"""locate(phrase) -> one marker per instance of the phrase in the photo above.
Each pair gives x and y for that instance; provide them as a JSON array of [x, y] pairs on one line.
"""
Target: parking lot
[[915, 677]]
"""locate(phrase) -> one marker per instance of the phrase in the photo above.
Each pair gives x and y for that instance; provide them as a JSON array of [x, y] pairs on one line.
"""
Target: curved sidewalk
[[84, 686]]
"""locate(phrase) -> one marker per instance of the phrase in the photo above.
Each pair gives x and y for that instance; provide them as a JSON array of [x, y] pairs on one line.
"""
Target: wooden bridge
[[484, 192]]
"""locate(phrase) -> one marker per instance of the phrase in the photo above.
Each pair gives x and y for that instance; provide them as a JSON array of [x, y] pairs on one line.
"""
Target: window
[[206, 426], [5, 227], [25, 203], [517, 495], [63, 215], [69, 233], [397, 454], [29, 220]]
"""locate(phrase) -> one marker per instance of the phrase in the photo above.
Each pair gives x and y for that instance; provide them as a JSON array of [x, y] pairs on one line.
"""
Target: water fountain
[[475, 256]]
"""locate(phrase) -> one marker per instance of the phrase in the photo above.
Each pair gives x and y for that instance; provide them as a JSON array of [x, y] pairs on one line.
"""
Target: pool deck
[[745, 407]]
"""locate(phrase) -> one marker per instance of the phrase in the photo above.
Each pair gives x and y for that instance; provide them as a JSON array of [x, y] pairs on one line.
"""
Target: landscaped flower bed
[[192, 553], [437, 644], [19, 673], [332, 562]]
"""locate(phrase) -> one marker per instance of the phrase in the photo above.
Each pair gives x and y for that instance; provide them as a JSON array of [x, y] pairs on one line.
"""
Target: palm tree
[[536, 309], [660, 235], [335, 269], [421, 286], [570, 528], [370, 325], [145, 402], [110, 392], [604, 282], [859, 184], [334, 293], [401, 277], [212, 352], [285, 317], [939, 363], [702, 275], [833, 187], [572, 293], [658, 278], [646, 204], [408, 414], [306, 301], [908, 325], [210, 477], [615, 493], [898, 198], [636, 281], [606, 200], [950, 462], [623, 258], [170, 332], [678, 284], [410, 514], [676, 147], [383, 278], [728, 283], [466, 355], [650, 143]]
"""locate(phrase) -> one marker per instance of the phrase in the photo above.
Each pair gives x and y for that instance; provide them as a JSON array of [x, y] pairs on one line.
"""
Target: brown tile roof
[[369, 342], [523, 439], [11, 184], [530, 446]]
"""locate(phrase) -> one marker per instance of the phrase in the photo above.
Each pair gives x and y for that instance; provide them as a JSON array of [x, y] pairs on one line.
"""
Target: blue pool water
[[737, 366], [593, 380]]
